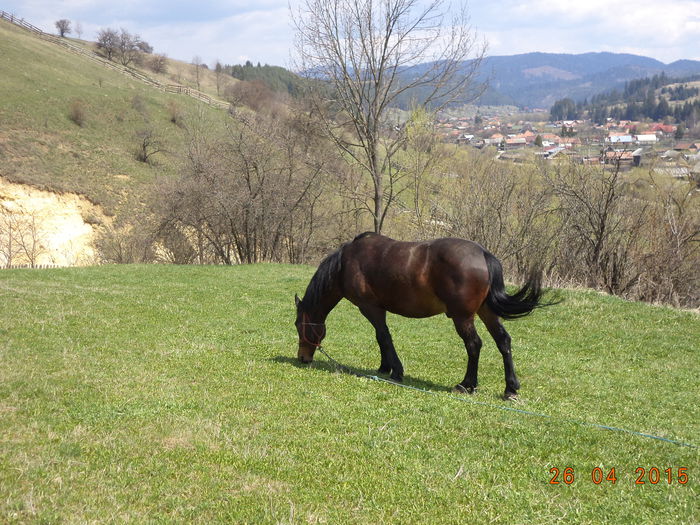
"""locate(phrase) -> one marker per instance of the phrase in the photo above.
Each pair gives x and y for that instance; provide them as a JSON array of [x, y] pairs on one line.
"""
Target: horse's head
[[311, 333]]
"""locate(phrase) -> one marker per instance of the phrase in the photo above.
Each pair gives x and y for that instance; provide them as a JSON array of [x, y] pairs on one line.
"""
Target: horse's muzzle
[[305, 354]]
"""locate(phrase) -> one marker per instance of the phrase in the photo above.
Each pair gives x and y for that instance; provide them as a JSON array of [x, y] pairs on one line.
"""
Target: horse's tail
[[522, 302]]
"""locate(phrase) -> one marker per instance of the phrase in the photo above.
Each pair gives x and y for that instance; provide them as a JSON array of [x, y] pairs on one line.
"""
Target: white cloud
[[665, 30], [258, 35], [260, 30]]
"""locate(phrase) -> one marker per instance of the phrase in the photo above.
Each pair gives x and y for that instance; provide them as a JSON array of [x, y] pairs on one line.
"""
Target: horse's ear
[[296, 300]]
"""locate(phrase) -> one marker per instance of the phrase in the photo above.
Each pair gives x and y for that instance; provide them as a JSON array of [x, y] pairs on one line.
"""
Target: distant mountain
[[540, 79]]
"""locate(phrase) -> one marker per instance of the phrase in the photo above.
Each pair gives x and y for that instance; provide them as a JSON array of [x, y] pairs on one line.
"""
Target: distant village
[[620, 144]]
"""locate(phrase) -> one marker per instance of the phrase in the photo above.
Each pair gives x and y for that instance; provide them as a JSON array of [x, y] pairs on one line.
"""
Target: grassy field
[[172, 394]]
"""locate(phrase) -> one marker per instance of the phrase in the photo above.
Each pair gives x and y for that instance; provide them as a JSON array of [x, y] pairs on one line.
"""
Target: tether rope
[[464, 399]]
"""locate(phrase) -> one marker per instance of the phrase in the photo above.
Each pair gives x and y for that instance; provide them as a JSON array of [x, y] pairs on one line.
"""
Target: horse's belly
[[416, 306]]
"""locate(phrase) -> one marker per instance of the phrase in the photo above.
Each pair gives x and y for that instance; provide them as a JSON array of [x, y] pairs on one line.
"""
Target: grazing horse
[[417, 279]]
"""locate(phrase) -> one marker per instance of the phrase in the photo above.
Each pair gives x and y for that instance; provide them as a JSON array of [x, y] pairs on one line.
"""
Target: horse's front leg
[[467, 331], [390, 362]]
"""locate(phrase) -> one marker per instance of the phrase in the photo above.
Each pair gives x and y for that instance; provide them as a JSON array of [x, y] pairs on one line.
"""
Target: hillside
[[173, 394], [43, 84]]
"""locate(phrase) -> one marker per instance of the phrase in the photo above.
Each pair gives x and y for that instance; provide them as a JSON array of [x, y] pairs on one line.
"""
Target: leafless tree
[[159, 63], [108, 42], [21, 237], [248, 193], [255, 94], [9, 232], [369, 51], [79, 29], [219, 72], [672, 272], [31, 238], [63, 27], [197, 63], [601, 225], [128, 50], [125, 244], [148, 144], [504, 207]]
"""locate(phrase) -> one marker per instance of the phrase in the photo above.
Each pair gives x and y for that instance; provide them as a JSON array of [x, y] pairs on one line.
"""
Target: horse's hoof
[[461, 389], [510, 396]]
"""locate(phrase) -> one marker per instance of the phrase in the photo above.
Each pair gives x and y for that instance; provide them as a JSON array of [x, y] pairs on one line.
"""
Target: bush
[[176, 113], [139, 104], [77, 112], [158, 63]]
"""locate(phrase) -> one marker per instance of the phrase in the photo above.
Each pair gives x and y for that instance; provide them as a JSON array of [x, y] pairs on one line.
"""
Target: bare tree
[[419, 159], [367, 50], [63, 27], [254, 94], [128, 48], [9, 232], [125, 244], [672, 273], [148, 145], [31, 238], [159, 63], [197, 63], [219, 72], [602, 225], [21, 237], [249, 192], [79, 30], [108, 42]]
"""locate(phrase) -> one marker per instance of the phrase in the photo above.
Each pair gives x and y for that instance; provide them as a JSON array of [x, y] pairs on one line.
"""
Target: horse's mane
[[324, 278]]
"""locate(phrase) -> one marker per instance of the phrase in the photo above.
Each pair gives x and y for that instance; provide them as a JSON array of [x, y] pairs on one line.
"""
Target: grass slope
[[40, 145], [165, 393]]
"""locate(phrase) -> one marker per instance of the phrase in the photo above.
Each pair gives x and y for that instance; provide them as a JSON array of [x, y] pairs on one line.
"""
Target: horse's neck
[[323, 306]]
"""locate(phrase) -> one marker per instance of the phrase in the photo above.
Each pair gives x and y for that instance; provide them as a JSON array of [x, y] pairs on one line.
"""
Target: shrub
[[77, 112], [176, 113], [159, 63], [139, 104]]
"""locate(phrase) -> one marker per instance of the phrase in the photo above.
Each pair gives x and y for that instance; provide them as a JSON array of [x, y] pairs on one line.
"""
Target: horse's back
[[415, 279]]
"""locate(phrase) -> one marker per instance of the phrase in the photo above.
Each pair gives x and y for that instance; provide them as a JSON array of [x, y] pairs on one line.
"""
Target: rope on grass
[[463, 399]]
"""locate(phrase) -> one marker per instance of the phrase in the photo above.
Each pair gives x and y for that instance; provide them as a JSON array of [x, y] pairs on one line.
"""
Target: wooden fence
[[67, 44], [29, 266]]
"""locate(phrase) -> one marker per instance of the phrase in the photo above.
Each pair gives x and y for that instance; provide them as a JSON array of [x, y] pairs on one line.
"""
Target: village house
[[622, 159], [646, 138], [662, 129], [691, 147]]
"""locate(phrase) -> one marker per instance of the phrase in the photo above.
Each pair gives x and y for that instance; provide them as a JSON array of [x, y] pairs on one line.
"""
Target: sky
[[233, 31]]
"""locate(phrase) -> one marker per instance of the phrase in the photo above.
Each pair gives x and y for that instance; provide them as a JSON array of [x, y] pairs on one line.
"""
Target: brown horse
[[417, 279]]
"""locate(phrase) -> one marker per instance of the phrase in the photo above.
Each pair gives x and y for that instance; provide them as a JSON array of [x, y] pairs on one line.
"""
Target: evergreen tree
[[663, 109], [680, 132]]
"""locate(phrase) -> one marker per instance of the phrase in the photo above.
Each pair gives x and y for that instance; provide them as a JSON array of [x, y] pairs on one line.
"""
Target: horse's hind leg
[[467, 331], [498, 332], [390, 362]]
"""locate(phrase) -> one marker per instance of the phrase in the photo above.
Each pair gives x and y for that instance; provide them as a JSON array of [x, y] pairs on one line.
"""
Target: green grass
[[172, 394], [40, 145]]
